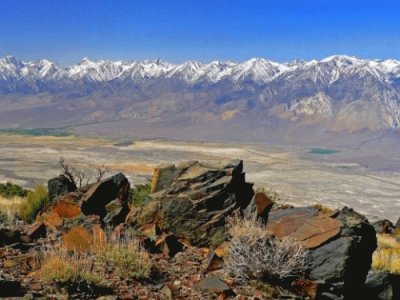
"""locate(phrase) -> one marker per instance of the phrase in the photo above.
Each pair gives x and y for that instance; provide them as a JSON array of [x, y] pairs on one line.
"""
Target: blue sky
[[281, 30]]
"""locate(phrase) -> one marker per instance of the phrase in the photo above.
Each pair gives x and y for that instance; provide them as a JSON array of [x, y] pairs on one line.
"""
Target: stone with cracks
[[194, 200]]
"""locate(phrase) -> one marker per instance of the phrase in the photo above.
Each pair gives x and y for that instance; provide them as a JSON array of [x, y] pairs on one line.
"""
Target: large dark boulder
[[340, 246], [99, 195], [59, 186], [382, 286], [193, 199]]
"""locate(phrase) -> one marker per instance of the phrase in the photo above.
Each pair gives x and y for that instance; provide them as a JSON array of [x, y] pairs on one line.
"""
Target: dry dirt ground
[[299, 177]]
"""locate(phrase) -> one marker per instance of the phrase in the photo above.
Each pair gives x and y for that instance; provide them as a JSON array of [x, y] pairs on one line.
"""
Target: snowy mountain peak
[[259, 70]]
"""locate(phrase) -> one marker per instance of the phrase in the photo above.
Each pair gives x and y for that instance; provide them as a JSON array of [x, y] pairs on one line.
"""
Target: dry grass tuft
[[35, 201], [123, 258], [387, 256], [253, 253], [10, 207], [59, 265]]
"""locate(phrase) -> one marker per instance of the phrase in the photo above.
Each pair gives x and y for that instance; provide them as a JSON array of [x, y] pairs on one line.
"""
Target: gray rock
[[345, 261], [58, 186], [382, 286], [213, 284]]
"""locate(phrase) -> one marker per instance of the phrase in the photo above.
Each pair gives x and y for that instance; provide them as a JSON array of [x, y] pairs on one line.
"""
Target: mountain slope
[[338, 93]]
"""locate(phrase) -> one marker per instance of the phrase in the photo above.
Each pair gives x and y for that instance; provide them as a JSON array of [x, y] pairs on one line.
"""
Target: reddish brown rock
[[66, 208], [263, 204], [316, 231]]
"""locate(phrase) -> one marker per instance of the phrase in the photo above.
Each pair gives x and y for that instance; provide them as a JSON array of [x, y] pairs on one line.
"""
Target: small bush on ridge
[[138, 194]]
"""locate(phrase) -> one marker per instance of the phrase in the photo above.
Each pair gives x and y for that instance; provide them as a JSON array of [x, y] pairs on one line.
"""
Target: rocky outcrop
[[107, 199], [59, 186], [340, 247], [191, 200]]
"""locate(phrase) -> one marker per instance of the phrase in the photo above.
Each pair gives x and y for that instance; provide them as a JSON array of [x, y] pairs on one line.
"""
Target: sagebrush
[[253, 253]]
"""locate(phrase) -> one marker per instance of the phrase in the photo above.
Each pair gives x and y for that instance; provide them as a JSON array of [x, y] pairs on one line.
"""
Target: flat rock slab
[[306, 227], [212, 284]]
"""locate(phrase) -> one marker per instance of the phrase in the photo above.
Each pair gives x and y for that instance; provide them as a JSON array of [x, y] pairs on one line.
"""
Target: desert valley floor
[[301, 176]]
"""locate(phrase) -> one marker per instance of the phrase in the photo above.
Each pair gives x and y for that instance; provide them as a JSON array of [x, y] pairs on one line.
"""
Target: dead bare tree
[[101, 170], [78, 176], [67, 170]]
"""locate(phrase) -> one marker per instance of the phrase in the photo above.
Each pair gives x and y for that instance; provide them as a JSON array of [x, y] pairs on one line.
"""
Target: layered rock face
[[193, 199]]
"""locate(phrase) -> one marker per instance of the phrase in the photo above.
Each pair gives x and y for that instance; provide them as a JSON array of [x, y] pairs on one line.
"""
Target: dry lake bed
[[300, 176]]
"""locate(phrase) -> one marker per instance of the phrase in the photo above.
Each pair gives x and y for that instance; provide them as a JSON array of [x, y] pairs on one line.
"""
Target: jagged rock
[[169, 245], [194, 199], [340, 247], [102, 193], [116, 212], [383, 226], [382, 286], [58, 186], [9, 236]]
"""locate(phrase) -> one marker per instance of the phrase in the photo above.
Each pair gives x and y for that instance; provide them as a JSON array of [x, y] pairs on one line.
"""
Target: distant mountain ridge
[[260, 70], [339, 93]]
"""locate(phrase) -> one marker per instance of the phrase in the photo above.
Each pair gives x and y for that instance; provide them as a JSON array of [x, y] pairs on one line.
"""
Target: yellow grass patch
[[387, 256], [10, 207]]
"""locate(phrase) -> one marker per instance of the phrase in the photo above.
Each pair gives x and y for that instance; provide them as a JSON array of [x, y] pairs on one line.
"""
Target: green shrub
[[35, 201], [9, 190], [138, 194]]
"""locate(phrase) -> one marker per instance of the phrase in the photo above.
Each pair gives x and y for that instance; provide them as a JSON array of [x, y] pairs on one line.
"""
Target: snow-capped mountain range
[[338, 93], [260, 70]]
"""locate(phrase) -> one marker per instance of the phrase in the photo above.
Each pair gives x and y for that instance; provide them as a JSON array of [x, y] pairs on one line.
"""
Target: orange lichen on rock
[[78, 239], [66, 209]]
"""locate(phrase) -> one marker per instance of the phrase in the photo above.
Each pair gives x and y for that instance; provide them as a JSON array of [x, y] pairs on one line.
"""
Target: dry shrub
[[254, 253], [387, 256]]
